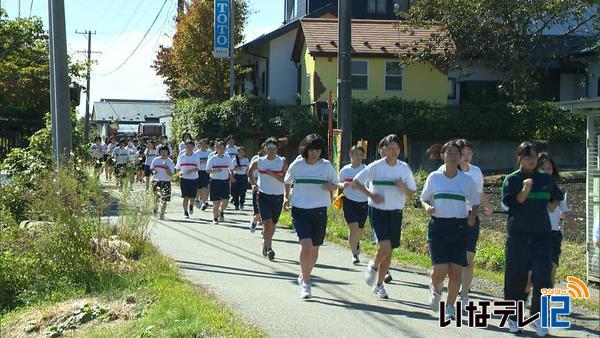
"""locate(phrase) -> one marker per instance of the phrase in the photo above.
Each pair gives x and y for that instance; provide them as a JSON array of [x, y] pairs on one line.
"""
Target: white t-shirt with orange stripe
[[347, 174], [266, 183], [217, 162], [186, 162]]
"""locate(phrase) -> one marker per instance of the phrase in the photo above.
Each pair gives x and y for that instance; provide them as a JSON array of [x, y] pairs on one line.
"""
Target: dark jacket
[[532, 215]]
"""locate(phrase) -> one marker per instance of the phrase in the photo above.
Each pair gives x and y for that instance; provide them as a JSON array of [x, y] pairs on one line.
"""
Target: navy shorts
[[121, 170], [386, 225], [269, 206], [556, 244], [162, 190], [189, 187], [310, 224], [219, 190], [147, 171], [472, 235], [203, 179], [446, 239], [355, 212]]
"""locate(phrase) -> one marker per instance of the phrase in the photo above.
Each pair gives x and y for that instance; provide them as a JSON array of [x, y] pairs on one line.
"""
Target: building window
[[393, 76], [451, 88], [402, 5], [377, 6], [360, 75]]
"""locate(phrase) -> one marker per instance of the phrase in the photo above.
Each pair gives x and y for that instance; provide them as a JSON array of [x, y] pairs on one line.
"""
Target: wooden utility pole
[[86, 130], [345, 77]]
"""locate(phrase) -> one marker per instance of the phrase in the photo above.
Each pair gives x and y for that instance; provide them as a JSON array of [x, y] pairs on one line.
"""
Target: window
[[360, 75], [393, 76], [402, 5], [451, 88], [377, 6]]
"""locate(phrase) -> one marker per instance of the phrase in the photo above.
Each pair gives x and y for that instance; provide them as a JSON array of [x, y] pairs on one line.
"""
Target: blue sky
[[120, 26]]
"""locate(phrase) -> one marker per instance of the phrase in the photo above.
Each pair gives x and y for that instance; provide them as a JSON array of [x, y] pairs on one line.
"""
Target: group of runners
[[452, 196]]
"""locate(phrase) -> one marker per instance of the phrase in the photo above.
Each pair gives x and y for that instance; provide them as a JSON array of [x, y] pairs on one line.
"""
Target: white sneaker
[[464, 301], [305, 291], [379, 290], [370, 274], [539, 330], [299, 280], [434, 299], [513, 327], [450, 312]]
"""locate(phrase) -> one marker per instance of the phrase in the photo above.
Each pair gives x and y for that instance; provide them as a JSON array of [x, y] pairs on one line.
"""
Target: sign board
[[221, 29]]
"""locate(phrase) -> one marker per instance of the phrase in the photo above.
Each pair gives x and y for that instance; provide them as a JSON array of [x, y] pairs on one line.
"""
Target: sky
[[119, 26]]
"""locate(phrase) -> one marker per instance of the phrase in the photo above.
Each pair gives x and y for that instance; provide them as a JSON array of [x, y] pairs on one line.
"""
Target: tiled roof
[[369, 37], [130, 110]]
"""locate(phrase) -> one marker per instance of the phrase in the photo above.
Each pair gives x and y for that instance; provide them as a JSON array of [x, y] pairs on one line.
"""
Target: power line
[[141, 41], [125, 27], [30, 7]]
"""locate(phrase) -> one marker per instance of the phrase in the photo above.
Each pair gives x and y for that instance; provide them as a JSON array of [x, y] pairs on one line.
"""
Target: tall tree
[[24, 68], [505, 36], [188, 67]]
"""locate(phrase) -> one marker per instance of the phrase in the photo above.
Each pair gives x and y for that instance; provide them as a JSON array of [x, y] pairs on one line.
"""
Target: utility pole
[[62, 143], [231, 48], [345, 77], [86, 130], [180, 7]]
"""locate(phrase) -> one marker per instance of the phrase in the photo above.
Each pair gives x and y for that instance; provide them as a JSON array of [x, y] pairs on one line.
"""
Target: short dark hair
[[164, 136], [190, 143], [271, 140], [164, 148], [392, 138], [97, 138], [313, 142], [546, 157], [184, 135], [355, 148], [229, 137], [122, 141], [451, 143], [464, 143]]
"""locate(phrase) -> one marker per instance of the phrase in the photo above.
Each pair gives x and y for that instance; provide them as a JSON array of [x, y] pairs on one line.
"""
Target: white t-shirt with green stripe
[[380, 178], [449, 195], [308, 181]]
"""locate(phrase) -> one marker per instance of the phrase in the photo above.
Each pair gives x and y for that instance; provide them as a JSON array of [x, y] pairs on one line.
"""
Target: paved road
[[227, 259]]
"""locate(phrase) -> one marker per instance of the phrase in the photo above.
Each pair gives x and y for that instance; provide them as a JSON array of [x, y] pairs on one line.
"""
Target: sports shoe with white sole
[[388, 278], [464, 301], [355, 260], [271, 254], [379, 290], [513, 327], [539, 330], [370, 274], [434, 299], [450, 312], [252, 227], [305, 291]]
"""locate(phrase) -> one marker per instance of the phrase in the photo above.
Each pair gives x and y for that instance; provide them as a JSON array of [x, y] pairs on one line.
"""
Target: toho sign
[[221, 35]]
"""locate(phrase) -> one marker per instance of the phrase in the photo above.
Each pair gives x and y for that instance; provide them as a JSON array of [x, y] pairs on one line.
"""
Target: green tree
[[505, 36], [24, 68], [188, 67]]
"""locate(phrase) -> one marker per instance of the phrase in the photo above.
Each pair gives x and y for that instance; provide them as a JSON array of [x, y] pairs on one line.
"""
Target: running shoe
[[299, 280], [191, 209], [271, 254], [388, 278], [242, 207], [161, 217], [539, 330], [237, 208], [198, 203], [305, 291], [370, 274], [222, 217], [513, 327], [252, 227], [464, 301], [379, 290], [186, 214], [264, 251], [450, 312], [204, 206], [434, 299], [215, 221], [355, 260]]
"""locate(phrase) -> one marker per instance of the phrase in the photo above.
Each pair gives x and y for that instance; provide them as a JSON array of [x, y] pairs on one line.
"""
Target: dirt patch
[[66, 317]]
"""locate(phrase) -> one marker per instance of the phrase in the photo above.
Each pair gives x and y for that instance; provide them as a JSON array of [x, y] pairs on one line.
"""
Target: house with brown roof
[[377, 46]]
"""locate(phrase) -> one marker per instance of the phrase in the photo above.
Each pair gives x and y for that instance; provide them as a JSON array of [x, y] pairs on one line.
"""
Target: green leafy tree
[[188, 67], [505, 36]]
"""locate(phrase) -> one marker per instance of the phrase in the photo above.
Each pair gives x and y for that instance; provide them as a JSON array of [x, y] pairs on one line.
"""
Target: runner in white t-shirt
[[188, 165], [98, 150], [239, 178], [110, 161], [444, 198], [268, 183], [354, 202], [314, 178], [150, 154], [391, 183], [203, 177], [163, 168], [231, 149], [219, 166]]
